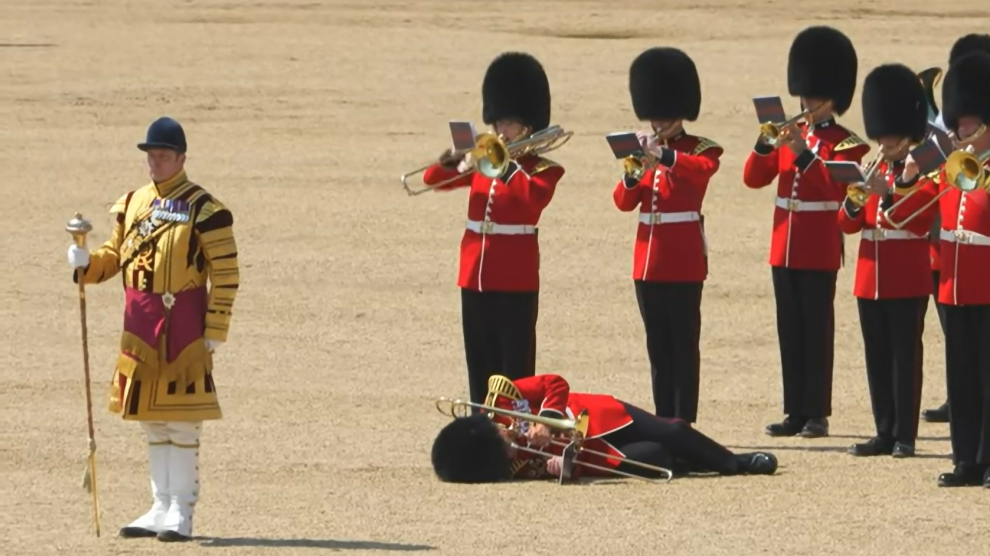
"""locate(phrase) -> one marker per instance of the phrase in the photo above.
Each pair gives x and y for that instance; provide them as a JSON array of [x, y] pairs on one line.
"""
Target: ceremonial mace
[[79, 227]]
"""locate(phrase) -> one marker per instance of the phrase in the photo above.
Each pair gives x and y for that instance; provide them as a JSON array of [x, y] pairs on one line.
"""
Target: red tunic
[[965, 235], [806, 234], [670, 239], [550, 396], [499, 249], [892, 264]]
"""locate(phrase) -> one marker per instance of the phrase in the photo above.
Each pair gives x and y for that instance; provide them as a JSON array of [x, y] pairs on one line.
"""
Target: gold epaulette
[[542, 165], [850, 142], [120, 207], [499, 385], [209, 208], [704, 145]]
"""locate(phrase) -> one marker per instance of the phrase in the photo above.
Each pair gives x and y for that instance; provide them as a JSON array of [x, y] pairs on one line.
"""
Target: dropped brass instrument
[[491, 154], [573, 430], [964, 171]]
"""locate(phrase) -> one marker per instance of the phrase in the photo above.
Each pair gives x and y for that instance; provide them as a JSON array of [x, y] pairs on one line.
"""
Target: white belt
[[884, 234], [668, 217], [795, 205], [965, 237], [491, 228]]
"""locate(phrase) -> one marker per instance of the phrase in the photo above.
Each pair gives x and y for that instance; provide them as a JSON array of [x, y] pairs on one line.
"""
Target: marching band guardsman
[[477, 449], [671, 260], [893, 271], [806, 248], [965, 256], [173, 244], [500, 255], [972, 42]]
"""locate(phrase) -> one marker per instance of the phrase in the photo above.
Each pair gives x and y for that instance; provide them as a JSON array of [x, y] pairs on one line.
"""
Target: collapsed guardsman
[[174, 245]]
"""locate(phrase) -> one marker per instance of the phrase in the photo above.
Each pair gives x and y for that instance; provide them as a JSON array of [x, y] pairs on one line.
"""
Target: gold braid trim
[[850, 142], [704, 145], [499, 385], [191, 365]]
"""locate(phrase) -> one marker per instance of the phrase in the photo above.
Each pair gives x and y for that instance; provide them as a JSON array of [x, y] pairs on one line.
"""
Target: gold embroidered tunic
[[173, 245]]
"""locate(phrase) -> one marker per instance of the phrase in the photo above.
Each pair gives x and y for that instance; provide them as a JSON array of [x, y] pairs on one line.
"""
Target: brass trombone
[[964, 171], [491, 155], [575, 431], [771, 131]]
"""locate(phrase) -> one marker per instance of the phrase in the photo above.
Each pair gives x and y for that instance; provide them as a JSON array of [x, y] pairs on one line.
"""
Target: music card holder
[[462, 135], [769, 109], [942, 140], [928, 156], [624, 143], [844, 171]]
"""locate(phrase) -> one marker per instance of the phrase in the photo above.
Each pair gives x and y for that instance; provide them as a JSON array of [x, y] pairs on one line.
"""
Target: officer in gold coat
[[174, 245]]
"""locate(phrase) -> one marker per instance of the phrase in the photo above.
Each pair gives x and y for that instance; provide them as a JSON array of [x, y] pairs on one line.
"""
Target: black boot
[[789, 427], [903, 450], [962, 475], [757, 463], [815, 428], [986, 478], [938, 415], [876, 446]]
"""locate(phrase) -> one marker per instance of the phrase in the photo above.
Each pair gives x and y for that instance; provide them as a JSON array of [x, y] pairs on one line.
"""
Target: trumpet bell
[[857, 195], [965, 171], [633, 166]]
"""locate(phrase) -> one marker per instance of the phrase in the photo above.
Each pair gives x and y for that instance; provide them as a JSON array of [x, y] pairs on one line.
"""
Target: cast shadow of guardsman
[[331, 544]]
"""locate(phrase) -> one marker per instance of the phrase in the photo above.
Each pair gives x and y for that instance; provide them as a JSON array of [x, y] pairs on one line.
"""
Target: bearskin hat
[[966, 89], [822, 63], [516, 87], [972, 42], [664, 85], [471, 450], [894, 103]]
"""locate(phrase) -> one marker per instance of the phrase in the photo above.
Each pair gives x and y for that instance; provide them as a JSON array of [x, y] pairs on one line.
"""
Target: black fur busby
[[471, 450], [894, 103], [516, 87], [165, 133], [972, 42], [664, 85], [822, 63], [966, 89]]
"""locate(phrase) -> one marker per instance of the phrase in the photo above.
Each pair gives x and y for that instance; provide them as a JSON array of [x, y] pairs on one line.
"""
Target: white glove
[[212, 345], [466, 164], [78, 257]]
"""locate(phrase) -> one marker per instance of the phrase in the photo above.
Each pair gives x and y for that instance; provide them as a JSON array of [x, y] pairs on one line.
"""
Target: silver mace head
[[79, 227]]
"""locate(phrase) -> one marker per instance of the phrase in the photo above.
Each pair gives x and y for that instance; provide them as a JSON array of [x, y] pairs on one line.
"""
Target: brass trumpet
[[575, 431], [635, 166], [857, 192], [964, 171], [771, 131], [491, 155]]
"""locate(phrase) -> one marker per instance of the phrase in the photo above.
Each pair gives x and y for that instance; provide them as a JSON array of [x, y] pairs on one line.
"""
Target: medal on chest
[[170, 210]]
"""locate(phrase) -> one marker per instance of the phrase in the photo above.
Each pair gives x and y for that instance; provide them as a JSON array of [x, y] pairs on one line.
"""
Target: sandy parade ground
[[300, 117]]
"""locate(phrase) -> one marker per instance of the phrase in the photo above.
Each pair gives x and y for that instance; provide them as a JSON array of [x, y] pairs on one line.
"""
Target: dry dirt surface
[[301, 116]]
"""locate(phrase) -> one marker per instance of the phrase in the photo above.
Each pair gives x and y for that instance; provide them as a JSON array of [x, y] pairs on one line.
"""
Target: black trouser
[[499, 336], [892, 336], [671, 313], [806, 332], [967, 366], [661, 442], [939, 307]]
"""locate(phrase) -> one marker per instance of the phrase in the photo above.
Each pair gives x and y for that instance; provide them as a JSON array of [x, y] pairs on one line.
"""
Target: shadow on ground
[[312, 543]]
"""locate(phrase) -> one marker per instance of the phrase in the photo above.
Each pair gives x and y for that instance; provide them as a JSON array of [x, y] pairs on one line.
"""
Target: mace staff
[[79, 228]]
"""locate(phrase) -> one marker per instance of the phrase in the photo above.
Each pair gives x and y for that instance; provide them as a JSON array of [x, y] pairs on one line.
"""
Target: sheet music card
[[769, 109], [462, 135]]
